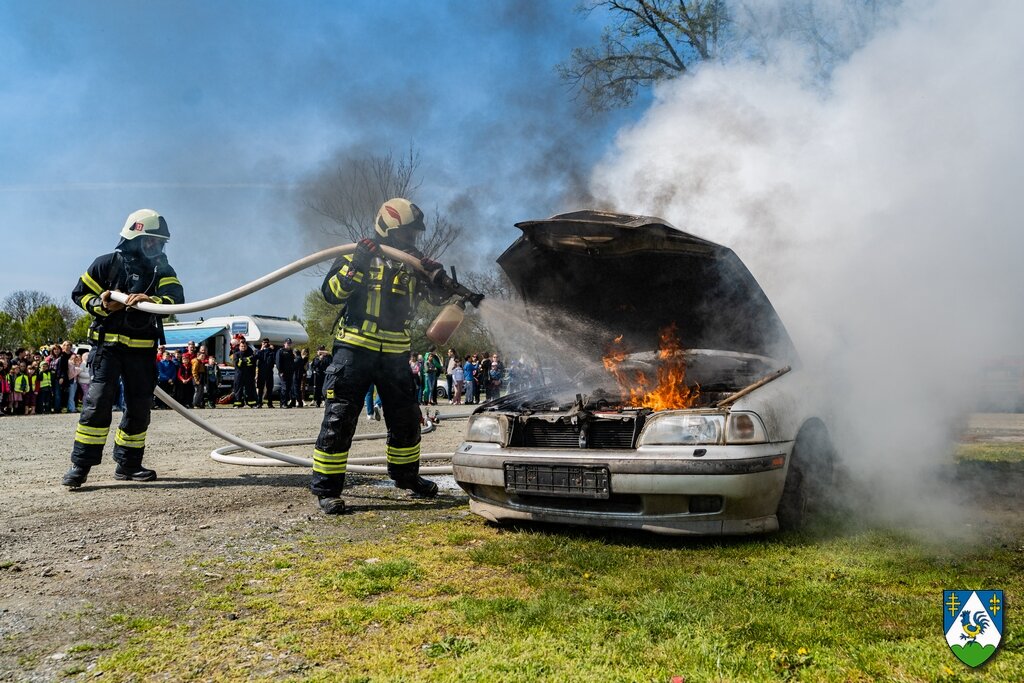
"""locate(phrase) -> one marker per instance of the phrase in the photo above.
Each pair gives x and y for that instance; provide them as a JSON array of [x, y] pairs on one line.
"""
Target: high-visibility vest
[[45, 379], [22, 385]]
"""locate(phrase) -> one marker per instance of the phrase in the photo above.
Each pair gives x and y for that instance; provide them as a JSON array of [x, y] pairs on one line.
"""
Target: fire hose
[[368, 465]]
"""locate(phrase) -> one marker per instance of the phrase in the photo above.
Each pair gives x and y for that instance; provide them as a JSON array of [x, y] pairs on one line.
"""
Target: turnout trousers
[[136, 368], [351, 373], [265, 387], [246, 394]]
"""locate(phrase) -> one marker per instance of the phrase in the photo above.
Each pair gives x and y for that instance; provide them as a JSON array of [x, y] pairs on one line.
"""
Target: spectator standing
[[44, 402], [285, 361], [74, 367], [433, 368], [236, 382], [186, 389], [84, 376], [245, 371], [199, 380], [166, 371], [19, 384], [372, 401], [416, 367], [31, 390], [299, 377], [457, 377], [212, 380], [59, 357], [468, 371], [319, 366], [495, 376], [483, 377], [452, 363], [265, 373], [5, 385]]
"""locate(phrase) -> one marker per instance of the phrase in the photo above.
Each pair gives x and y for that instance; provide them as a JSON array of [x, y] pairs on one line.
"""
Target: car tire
[[809, 480], [440, 392]]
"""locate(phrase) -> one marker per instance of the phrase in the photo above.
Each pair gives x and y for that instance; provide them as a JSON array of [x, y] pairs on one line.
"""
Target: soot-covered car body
[[746, 453]]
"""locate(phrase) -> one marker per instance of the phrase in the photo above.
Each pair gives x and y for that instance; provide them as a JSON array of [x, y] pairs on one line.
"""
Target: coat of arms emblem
[[973, 624]]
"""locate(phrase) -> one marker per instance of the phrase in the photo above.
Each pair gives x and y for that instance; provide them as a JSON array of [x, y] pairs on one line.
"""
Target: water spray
[[442, 328]]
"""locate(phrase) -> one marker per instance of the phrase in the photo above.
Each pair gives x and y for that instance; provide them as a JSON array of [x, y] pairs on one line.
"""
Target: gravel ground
[[68, 560]]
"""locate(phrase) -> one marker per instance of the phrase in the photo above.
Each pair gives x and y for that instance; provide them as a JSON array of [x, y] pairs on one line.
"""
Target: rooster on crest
[[972, 631]]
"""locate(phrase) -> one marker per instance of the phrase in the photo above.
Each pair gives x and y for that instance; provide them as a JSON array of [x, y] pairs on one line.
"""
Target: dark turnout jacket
[[116, 271]]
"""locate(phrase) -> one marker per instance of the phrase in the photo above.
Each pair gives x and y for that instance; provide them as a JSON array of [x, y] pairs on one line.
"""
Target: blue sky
[[219, 114]]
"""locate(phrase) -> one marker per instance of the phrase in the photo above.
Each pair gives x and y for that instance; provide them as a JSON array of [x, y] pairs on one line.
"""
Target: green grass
[[991, 452], [462, 601]]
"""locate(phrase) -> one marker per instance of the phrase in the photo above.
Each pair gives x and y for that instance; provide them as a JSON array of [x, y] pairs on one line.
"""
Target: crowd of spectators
[[469, 378], [51, 379], [55, 378]]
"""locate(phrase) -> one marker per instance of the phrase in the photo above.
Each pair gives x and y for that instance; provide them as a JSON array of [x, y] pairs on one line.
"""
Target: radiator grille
[[616, 434], [600, 434]]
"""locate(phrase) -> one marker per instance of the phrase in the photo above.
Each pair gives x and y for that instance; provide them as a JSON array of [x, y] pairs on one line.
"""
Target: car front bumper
[[729, 490]]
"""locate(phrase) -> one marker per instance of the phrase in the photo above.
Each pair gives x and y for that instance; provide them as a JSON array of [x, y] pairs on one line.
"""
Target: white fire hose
[[366, 465], [266, 280]]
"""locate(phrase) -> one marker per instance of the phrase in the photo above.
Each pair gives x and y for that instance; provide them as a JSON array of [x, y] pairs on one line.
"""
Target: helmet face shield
[[406, 237], [151, 247]]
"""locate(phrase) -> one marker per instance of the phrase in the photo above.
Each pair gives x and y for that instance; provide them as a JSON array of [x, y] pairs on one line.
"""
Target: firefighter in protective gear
[[371, 347], [125, 341], [245, 370]]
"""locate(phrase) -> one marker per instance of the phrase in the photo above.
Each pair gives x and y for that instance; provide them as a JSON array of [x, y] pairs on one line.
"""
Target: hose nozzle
[[450, 284]]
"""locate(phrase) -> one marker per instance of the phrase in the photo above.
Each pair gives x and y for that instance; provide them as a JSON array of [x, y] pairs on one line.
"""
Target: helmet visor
[[151, 247]]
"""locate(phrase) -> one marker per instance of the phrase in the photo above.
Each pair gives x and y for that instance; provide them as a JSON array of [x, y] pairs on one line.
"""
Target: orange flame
[[671, 392]]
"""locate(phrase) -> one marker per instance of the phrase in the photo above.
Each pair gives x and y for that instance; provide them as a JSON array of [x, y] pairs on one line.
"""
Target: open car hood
[[634, 275]]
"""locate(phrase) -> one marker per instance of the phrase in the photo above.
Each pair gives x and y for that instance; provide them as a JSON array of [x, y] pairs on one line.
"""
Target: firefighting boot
[[331, 506], [76, 476], [133, 473], [420, 487]]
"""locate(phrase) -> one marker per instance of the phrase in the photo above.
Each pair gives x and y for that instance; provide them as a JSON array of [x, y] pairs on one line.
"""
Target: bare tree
[[22, 303], [351, 196], [646, 41], [652, 40]]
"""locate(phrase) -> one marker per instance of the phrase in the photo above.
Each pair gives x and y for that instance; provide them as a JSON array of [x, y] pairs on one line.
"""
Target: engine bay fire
[[670, 392]]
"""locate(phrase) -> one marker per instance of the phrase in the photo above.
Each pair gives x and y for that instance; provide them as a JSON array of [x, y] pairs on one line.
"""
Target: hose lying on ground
[[363, 465]]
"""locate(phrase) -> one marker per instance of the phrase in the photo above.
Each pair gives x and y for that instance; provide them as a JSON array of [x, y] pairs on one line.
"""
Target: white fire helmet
[[145, 223], [399, 215]]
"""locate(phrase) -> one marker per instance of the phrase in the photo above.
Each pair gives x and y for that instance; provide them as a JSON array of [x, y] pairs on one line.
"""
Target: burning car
[[693, 417]]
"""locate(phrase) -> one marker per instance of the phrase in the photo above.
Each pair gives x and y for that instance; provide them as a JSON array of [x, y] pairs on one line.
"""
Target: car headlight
[[691, 429], [683, 429], [486, 429], [745, 428]]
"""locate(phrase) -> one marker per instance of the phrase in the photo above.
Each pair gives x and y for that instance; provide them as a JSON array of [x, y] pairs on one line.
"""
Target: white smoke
[[882, 215]]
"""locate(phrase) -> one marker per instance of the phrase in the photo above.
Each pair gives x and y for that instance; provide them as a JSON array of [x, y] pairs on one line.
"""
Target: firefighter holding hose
[[125, 342], [371, 346]]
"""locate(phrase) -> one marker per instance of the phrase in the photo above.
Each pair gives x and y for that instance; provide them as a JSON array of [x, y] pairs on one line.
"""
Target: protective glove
[[366, 249], [430, 265]]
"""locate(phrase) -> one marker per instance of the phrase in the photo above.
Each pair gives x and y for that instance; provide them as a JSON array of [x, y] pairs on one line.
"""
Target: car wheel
[[440, 392], [809, 478]]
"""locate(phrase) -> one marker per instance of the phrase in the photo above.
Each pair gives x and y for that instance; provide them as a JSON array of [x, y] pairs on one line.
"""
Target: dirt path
[[70, 560]]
